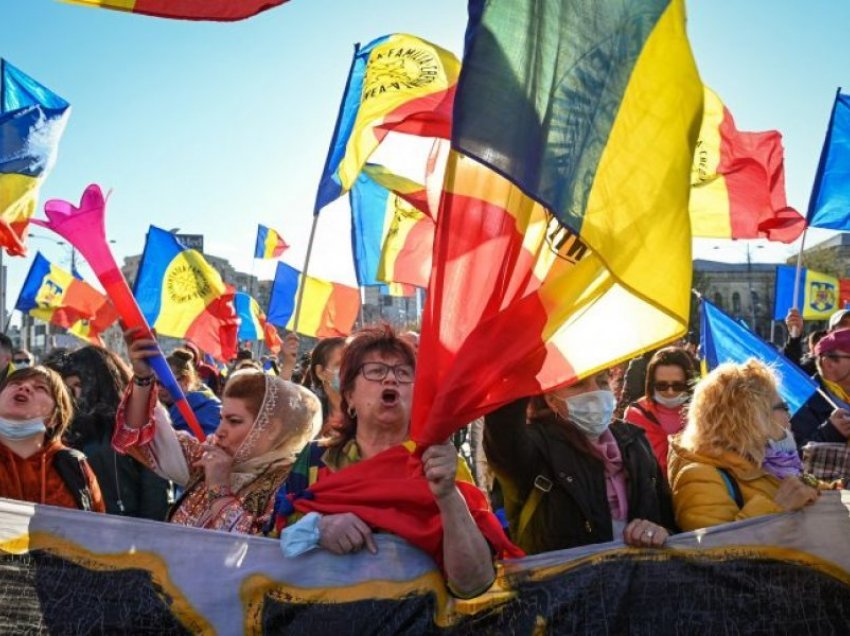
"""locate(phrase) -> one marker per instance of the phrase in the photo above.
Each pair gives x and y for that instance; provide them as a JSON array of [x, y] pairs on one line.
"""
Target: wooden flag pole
[[303, 280]]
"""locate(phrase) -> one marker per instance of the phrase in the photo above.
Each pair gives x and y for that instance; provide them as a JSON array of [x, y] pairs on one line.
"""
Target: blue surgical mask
[[591, 412], [786, 444], [670, 402], [21, 429]]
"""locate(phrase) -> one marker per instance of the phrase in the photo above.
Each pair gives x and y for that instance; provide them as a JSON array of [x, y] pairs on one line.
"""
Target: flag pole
[[795, 303], [316, 210]]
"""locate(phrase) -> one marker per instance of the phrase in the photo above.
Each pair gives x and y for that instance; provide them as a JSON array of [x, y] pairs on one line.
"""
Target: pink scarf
[[615, 476]]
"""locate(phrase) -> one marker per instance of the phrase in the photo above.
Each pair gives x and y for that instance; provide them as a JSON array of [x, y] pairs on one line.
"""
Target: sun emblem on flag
[[398, 68], [186, 283], [822, 296]]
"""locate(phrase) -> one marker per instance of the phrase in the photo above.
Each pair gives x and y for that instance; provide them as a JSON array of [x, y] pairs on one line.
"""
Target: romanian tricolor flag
[[53, 295], [408, 246], [182, 296], [380, 200], [327, 309], [829, 206], [738, 181], [563, 238], [32, 118], [252, 323], [269, 243], [397, 83], [821, 293], [217, 10]]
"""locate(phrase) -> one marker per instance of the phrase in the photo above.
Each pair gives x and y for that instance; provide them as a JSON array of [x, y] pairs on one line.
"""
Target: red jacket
[[644, 413]]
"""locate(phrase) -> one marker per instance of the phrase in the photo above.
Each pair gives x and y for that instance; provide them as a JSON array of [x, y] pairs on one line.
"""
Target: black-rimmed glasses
[[377, 371]]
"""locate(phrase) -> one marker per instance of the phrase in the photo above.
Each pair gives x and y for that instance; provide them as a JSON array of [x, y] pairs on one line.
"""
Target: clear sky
[[213, 128]]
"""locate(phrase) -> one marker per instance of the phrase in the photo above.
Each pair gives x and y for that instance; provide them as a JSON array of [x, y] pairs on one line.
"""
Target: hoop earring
[[352, 413]]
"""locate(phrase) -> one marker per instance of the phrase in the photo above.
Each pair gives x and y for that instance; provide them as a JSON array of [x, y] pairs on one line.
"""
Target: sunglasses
[[680, 387], [782, 406]]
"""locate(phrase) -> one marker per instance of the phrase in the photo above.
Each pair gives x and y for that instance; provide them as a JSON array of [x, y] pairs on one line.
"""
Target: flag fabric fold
[[398, 83], [820, 293], [829, 206], [327, 310], [215, 10], [565, 208], [723, 339], [182, 296], [738, 181], [269, 244], [253, 325], [32, 119], [53, 295]]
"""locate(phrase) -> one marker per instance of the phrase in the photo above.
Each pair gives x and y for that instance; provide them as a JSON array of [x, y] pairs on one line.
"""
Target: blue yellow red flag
[[829, 206], [398, 83], [51, 294], [32, 119], [269, 244], [253, 325], [565, 203], [723, 339], [821, 293], [182, 296], [328, 309]]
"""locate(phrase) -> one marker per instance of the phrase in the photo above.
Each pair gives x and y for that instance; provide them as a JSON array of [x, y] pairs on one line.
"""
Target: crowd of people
[[635, 455]]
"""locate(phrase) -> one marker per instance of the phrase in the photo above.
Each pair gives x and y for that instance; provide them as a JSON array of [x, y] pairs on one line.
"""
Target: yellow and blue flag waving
[[253, 325], [821, 293], [723, 339], [32, 119], [398, 83], [53, 295], [270, 243], [829, 206], [182, 296]]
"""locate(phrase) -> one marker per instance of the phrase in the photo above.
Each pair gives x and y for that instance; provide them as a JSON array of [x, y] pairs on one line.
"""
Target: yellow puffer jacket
[[701, 498]]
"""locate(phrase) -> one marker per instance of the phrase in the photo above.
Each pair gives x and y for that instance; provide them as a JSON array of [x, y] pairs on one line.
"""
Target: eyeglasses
[[834, 356], [782, 406], [680, 387], [377, 371]]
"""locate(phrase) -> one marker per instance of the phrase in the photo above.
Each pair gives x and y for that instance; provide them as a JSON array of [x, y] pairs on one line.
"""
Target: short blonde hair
[[732, 410]]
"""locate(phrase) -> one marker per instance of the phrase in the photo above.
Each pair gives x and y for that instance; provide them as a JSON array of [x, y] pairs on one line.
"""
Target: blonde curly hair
[[732, 410]]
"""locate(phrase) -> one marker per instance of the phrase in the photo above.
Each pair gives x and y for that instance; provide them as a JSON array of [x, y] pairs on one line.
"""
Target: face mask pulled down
[[591, 412], [670, 402], [21, 429]]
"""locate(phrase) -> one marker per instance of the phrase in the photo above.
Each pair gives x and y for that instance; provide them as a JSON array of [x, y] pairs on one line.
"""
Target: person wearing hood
[[203, 402], [571, 477], [35, 465], [732, 461], [230, 479], [662, 410]]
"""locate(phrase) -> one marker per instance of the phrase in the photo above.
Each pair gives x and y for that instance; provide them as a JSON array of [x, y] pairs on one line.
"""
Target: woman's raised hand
[[140, 347]]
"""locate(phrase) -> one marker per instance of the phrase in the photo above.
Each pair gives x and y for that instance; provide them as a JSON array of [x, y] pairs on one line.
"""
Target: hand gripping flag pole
[[84, 228]]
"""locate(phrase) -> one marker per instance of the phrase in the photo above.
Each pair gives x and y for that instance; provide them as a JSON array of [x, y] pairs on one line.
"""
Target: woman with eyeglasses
[[732, 462], [376, 384], [661, 411]]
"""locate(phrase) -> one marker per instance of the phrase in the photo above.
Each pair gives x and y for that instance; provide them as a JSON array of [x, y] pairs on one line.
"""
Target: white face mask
[[786, 444], [670, 402], [21, 429], [591, 412]]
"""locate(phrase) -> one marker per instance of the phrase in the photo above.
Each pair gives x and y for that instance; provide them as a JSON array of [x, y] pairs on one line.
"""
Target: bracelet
[[218, 492], [143, 381]]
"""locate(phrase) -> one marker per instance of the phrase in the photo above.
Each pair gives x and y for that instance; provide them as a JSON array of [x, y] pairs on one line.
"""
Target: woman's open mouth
[[21, 398], [389, 397]]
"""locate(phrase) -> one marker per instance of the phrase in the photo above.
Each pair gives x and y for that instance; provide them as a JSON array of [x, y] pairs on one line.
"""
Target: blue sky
[[213, 128]]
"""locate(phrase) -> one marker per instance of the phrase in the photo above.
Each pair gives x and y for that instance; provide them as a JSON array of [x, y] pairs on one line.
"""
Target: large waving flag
[[738, 181], [32, 118], [397, 83], [591, 112], [829, 206], [218, 10], [386, 209], [253, 325], [327, 309], [269, 244], [723, 339], [182, 296], [821, 293], [53, 295]]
